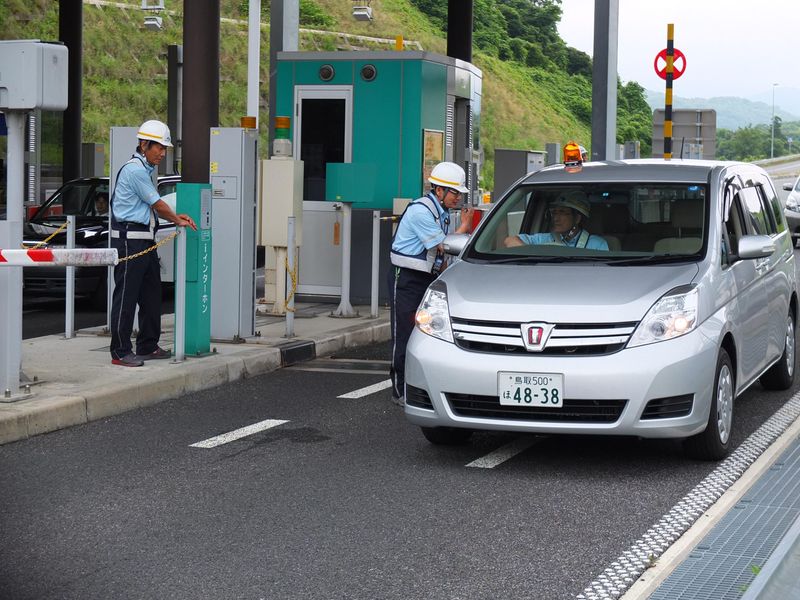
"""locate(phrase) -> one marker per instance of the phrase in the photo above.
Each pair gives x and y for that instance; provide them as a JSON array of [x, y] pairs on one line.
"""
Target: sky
[[732, 47]]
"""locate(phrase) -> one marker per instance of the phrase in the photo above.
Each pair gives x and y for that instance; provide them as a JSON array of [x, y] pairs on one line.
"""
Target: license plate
[[531, 389]]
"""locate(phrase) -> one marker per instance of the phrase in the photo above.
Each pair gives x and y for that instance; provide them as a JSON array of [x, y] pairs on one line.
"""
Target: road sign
[[676, 71]]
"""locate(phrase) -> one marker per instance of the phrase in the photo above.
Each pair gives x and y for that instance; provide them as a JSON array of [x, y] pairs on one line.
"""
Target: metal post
[[69, 317], [11, 278], [290, 254], [604, 79], [180, 296], [253, 57], [772, 136], [376, 243], [345, 309]]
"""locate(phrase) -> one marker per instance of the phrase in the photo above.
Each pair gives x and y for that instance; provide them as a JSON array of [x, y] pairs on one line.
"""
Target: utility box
[[33, 74], [369, 127], [234, 154], [93, 159], [281, 198], [510, 165]]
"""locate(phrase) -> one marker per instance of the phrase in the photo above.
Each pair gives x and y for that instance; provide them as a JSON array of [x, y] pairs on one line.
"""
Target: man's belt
[[132, 231]]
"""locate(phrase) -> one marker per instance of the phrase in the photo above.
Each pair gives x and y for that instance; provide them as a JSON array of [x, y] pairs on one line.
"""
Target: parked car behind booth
[[694, 301], [84, 198]]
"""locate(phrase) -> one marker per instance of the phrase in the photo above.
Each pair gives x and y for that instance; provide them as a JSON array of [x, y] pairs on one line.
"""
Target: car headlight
[[793, 203], [674, 315], [433, 316]]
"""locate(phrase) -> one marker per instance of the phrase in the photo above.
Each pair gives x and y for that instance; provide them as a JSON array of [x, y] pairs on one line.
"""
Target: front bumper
[[681, 367]]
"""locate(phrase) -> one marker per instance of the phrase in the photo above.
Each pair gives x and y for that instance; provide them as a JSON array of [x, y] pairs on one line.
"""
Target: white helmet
[[155, 131], [447, 174]]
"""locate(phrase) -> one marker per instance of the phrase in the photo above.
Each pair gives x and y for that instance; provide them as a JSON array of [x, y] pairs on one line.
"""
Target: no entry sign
[[660, 64]]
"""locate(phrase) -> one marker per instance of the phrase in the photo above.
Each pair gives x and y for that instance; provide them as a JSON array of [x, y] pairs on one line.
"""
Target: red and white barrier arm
[[59, 257]]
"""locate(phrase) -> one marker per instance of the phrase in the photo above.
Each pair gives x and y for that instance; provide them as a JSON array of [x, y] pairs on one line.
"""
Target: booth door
[[323, 134]]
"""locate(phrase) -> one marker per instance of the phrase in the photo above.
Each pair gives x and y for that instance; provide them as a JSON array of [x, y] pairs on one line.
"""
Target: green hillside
[[529, 98]]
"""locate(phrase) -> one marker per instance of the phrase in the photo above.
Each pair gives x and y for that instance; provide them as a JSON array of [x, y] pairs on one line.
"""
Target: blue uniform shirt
[[595, 242], [135, 194], [418, 230]]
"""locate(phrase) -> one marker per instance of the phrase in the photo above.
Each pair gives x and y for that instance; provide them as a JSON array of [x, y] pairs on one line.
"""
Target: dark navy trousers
[[406, 289], [136, 281]]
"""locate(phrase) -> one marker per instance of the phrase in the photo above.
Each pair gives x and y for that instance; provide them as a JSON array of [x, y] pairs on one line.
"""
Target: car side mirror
[[788, 186], [454, 243], [756, 246]]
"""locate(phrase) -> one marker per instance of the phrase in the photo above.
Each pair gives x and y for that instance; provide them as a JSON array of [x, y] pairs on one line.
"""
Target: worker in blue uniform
[[415, 248], [135, 209]]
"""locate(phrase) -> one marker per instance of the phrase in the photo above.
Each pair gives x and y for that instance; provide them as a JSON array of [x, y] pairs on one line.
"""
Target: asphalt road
[[343, 500]]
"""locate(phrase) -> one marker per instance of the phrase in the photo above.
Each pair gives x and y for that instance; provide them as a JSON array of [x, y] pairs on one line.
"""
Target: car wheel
[[780, 376], [715, 442], [446, 436]]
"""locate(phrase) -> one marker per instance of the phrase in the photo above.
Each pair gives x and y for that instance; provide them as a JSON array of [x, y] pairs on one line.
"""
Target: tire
[[446, 436], [715, 442], [780, 376]]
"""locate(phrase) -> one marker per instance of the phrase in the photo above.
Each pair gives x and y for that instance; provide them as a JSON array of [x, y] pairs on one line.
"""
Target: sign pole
[[668, 94]]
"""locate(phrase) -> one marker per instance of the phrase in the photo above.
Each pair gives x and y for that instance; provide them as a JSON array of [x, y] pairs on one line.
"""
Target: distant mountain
[[732, 112]]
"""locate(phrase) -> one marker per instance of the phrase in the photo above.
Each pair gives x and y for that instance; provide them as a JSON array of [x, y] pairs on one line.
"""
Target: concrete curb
[[58, 407]]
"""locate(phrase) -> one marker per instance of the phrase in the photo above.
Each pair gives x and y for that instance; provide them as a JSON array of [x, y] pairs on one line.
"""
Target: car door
[[777, 276], [749, 313]]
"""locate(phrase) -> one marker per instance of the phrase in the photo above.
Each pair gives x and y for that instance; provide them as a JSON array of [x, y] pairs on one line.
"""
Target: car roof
[[684, 171]]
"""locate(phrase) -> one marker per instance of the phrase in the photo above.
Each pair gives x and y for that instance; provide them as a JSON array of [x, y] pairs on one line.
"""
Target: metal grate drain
[[617, 578]]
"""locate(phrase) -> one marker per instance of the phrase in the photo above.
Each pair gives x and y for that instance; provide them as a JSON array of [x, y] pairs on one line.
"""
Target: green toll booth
[[369, 127], [194, 199]]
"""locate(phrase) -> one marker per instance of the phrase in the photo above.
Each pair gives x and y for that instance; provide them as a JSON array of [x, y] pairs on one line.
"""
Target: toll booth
[[369, 127]]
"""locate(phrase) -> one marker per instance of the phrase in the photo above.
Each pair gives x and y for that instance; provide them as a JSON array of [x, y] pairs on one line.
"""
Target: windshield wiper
[[658, 258], [549, 259]]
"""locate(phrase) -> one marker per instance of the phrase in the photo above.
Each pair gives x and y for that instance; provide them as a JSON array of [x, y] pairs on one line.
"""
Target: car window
[[621, 220], [734, 229], [69, 199], [166, 187], [757, 213], [773, 203]]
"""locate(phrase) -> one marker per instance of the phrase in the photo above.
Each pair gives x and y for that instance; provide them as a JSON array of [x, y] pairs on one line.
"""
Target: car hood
[[559, 293]]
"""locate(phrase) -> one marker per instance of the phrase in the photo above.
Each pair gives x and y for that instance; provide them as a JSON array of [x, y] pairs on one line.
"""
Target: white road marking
[[370, 389], [236, 434], [503, 453]]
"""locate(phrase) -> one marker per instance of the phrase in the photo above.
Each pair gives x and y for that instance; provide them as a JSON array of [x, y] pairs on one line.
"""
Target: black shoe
[[157, 354], [129, 360]]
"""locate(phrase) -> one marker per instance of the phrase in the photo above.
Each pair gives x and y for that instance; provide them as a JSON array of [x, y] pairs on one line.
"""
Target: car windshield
[[82, 198], [624, 223]]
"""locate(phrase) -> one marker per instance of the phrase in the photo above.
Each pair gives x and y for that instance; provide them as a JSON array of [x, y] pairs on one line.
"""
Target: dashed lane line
[[370, 389], [236, 434], [503, 453]]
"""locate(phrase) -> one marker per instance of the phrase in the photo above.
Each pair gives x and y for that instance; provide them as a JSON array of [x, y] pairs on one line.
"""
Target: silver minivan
[[673, 295]]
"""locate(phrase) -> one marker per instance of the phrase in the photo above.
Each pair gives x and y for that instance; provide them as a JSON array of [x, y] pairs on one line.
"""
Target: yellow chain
[[50, 237], [293, 277], [151, 248]]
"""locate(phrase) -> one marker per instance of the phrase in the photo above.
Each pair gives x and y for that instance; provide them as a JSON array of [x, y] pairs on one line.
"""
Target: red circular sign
[[676, 71]]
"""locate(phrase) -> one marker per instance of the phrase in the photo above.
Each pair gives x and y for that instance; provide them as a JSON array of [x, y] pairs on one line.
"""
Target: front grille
[[573, 411], [668, 408], [418, 397], [505, 337]]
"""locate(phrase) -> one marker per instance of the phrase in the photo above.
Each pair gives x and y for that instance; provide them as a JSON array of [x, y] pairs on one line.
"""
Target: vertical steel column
[[284, 27], [376, 244], [11, 277], [70, 31], [200, 86], [174, 108], [459, 29], [69, 312], [290, 254], [604, 80], [253, 57]]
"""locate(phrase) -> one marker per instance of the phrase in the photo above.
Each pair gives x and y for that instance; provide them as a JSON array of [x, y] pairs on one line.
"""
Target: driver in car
[[567, 213]]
